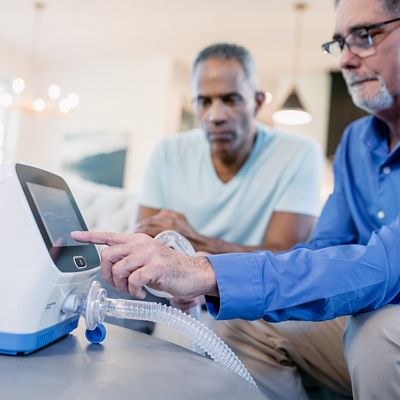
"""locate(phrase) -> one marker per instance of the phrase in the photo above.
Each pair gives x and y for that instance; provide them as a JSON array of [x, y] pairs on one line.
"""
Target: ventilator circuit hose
[[184, 323], [96, 306]]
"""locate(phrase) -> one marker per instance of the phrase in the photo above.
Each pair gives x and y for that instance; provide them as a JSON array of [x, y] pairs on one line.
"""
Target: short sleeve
[[302, 194]]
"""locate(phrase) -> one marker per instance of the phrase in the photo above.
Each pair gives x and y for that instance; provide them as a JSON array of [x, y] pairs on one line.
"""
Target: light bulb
[[64, 106], [292, 117], [39, 105], [18, 85], [54, 92], [73, 100], [5, 100]]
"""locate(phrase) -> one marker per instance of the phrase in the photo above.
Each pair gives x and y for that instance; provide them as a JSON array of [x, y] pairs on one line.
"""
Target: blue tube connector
[[97, 335]]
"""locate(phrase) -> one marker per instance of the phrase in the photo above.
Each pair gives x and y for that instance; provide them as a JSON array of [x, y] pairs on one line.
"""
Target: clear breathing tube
[[96, 306]]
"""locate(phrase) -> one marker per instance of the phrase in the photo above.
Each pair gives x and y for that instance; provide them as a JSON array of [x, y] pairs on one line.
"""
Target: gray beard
[[373, 104]]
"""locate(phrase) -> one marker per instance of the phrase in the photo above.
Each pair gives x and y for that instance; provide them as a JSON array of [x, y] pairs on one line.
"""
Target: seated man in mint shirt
[[351, 265], [232, 184]]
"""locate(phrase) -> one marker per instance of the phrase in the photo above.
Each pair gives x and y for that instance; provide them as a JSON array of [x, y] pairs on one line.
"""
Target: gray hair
[[387, 6], [228, 51]]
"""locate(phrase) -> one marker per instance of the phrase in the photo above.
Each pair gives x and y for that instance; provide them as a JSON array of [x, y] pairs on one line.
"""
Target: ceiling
[[83, 31]]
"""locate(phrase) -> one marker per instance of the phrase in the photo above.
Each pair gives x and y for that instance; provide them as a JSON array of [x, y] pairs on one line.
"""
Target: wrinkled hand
[[166, 220], [133, 261], [186, 303]]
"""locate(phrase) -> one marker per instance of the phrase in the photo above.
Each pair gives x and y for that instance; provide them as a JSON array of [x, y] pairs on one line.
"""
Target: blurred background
[[91, 85]]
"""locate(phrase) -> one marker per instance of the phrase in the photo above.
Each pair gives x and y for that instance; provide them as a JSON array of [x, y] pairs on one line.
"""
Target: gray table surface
[[128, 365]]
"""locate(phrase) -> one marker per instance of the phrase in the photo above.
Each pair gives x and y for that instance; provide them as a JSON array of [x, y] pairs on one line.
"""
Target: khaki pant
[[276, 353]]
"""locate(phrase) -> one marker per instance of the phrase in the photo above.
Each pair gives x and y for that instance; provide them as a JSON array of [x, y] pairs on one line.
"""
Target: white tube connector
[[71, 304]]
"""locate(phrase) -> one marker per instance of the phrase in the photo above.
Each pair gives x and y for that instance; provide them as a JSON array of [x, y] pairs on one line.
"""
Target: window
[[3, 115]]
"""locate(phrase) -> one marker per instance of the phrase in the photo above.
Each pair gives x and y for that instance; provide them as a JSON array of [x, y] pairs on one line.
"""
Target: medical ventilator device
[[40, 264], [47, 277]]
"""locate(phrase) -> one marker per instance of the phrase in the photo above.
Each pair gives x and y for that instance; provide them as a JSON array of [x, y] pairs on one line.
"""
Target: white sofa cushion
[[104, 208]]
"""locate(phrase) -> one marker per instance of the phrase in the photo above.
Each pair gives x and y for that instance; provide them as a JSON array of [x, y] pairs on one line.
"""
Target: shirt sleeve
[[302, 194], [309, 285], [152, 192]]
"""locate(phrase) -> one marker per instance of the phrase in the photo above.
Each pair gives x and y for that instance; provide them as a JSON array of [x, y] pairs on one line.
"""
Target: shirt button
[[387, 170], [380, 214]]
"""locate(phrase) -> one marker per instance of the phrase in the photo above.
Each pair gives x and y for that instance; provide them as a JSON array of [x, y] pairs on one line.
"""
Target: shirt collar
[[376, 138]]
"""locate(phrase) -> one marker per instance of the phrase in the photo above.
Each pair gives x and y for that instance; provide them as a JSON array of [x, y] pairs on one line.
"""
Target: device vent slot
[[44, 339]]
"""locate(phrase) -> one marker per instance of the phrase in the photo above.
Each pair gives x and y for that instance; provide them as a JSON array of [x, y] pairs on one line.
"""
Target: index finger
[[108, 238]]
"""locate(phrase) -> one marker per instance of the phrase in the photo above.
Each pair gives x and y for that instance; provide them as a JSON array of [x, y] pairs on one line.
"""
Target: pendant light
[[292, 111]]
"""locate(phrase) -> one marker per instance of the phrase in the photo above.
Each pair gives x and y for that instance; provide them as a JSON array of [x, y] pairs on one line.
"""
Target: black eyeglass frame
[[342, 40]]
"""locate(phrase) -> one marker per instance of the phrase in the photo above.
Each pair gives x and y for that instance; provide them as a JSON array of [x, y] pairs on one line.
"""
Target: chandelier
[[23, 95]]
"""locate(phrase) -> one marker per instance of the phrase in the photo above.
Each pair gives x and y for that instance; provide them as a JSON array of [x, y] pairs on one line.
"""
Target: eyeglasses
[[360, 41]]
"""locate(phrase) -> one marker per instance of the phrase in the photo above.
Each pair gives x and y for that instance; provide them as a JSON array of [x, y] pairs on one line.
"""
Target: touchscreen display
[[57, 213]]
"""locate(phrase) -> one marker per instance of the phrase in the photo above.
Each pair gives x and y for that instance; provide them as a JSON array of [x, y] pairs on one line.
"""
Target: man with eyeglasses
[[351, 266]]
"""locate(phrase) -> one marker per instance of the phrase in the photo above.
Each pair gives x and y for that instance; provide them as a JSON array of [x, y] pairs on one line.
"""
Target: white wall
[[13, 63], [142, 98]]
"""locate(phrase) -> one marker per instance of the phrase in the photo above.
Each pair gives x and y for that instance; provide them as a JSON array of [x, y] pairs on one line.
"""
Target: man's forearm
[[310, 285]]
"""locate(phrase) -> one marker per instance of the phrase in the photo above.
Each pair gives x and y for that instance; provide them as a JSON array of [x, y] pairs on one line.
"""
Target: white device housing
[[32, 288]]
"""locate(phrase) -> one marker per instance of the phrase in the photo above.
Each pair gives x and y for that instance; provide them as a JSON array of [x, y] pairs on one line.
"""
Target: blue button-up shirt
[[352, 262]]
